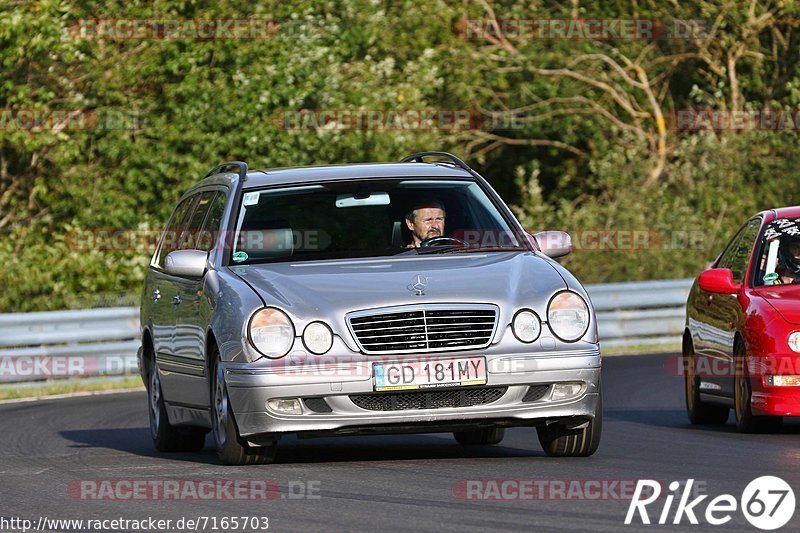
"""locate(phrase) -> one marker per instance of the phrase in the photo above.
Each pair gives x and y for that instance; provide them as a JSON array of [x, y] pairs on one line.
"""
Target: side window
[[207, 236], [724, 260], [738, 255], [169, 240], [192, 228]]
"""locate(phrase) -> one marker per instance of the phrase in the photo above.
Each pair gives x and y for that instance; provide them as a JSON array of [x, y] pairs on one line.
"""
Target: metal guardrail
[[638, 313], [81, 343], [96, 342]]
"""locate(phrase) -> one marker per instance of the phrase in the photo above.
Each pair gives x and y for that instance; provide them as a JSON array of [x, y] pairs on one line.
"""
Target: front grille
[[422, 329], [401, 401], [536, 393]]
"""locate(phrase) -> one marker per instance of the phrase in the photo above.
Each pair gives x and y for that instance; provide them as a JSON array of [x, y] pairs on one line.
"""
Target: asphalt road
[[56, 454]]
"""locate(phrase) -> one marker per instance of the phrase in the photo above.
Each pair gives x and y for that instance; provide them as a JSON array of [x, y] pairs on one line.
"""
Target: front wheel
[[698, 411], [166, 437], [560, 441], [230, 450]]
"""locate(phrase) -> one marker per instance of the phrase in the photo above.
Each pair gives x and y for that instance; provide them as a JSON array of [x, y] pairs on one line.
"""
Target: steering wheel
[[442, 241]]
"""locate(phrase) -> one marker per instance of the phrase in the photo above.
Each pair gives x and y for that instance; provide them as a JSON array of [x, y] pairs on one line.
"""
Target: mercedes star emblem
[[418, 285]]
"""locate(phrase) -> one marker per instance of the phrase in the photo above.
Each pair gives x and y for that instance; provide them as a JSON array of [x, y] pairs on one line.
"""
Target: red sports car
[[741, 345]]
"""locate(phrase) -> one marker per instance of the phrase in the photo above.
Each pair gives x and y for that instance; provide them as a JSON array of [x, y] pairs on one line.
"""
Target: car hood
[[786, 301], [328, 290]]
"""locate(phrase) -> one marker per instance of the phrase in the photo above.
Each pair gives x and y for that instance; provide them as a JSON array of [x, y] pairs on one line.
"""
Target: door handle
[[176, 300], [156, 295]]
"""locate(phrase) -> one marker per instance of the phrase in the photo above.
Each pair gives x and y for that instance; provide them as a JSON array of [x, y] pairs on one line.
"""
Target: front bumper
[[250, 389], [770, 400], [778, 401]]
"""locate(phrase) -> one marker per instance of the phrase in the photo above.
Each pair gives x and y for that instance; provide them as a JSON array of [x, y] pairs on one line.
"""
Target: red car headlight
[[794, 341]]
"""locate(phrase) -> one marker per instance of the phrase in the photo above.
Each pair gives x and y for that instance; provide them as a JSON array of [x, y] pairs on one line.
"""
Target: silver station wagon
[[362, 299]]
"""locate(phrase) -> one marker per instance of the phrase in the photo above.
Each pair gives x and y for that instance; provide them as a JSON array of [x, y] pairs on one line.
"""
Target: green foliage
[[675, 229]]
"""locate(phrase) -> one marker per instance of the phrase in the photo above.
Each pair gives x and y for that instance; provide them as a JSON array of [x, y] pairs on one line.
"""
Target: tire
[[231, 450], [700, 412], [166, 437], [746, 421], [559, 441], [480, 437]]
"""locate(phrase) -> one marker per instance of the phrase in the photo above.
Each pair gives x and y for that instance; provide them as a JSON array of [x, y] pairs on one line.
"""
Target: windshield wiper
[[494, 249], [443, 249], [452, 248]]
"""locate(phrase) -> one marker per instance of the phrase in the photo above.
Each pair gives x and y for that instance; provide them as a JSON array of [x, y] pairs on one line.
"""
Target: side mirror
[[718, 280], [553, 243], [186, 263]]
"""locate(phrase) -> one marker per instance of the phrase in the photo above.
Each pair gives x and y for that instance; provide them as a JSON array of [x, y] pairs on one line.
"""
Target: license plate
[[406, 375]]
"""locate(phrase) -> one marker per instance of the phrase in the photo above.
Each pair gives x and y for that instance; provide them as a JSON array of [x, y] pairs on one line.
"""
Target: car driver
[[425, 221]]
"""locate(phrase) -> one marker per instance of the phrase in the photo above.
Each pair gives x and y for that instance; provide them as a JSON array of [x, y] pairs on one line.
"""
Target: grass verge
[[40, 389], [641, 349]]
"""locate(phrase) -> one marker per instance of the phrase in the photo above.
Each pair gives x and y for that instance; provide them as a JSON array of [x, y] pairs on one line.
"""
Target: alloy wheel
[[155, 399], [220, 406]]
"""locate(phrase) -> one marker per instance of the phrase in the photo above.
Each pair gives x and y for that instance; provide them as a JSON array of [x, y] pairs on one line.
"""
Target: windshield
[[368, 218], [779, 262]]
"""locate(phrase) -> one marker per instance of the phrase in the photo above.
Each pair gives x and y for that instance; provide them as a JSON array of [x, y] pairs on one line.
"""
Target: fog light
[[526, 326], [318, 338], [289, 407], [783, 381], [562, 391]]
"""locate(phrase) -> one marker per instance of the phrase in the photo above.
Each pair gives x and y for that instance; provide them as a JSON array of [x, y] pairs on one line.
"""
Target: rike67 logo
[[767, 502]]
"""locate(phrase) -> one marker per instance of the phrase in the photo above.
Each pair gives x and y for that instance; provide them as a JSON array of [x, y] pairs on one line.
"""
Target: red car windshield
[[779, 260]]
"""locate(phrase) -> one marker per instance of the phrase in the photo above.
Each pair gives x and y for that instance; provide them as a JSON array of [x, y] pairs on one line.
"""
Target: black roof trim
[[240, 167], [419, 158]]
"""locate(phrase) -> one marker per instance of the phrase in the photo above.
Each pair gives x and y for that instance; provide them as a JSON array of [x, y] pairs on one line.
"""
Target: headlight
[[271, 332], [318, 338], [568, 316], [794, 341], [526, 326]]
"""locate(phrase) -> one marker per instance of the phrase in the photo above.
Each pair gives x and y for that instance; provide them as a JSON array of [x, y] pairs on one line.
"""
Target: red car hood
[[786, 301]]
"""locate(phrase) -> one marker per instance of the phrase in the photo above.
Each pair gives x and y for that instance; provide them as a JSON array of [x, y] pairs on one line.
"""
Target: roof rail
[[418, 158], [240, 168]]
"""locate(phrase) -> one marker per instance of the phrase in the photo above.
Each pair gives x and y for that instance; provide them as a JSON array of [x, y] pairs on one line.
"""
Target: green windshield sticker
[[240, 256], [772, 276]]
